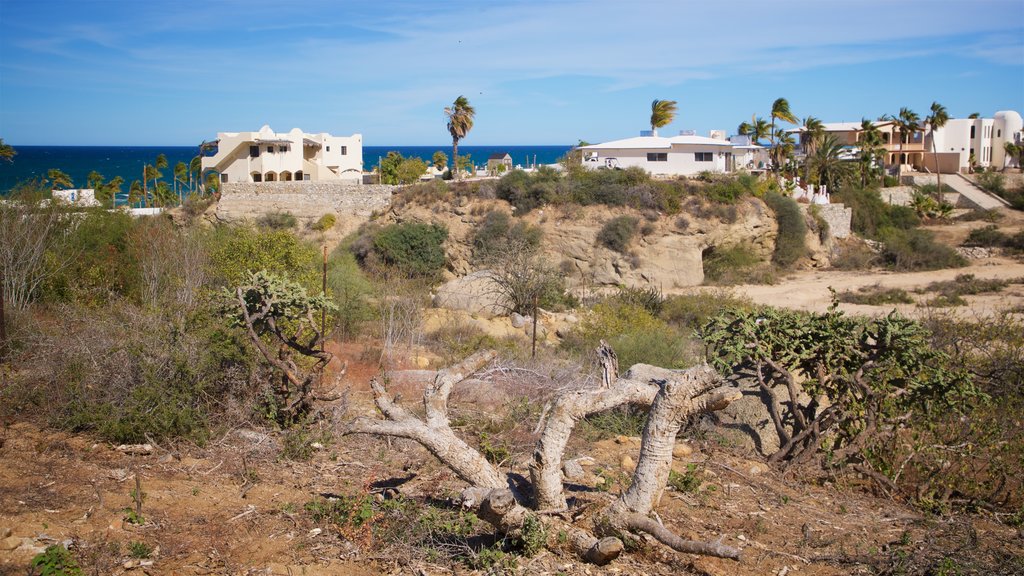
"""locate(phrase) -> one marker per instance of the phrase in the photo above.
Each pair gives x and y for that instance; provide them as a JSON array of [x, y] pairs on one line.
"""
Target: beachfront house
[[84, 197], [684, 155], [268, 156], [499, 163], [981, 138], [955, 143]]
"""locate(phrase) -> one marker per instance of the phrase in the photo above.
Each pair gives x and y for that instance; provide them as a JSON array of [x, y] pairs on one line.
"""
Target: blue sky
[[138, 72]]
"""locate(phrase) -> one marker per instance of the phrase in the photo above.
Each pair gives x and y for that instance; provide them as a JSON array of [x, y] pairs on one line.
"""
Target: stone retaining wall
[[838, 217], [304, 200]]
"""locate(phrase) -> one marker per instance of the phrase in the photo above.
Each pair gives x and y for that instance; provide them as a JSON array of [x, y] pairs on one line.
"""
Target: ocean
[[127, 161]]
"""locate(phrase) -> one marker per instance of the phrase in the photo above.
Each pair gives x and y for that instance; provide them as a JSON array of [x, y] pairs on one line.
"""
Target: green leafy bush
[[497, 233], [689, 312], [234, 251], [873, 372], [871, 215], [650, 298], [277, 221], [617, 233], [326, 222], [634, 333], [790, 243], [396, 169], [55, 561], [734, 265], [413, 248], [916, 249], [876, 296]]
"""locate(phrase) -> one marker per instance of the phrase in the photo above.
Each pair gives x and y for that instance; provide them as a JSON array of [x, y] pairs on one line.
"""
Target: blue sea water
[[127, 161]]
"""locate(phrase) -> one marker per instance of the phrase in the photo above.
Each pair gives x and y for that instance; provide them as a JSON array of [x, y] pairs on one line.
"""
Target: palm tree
[[111, 190], [1013, 152], [59, 179], [813, 131], [830, 169], [7, 152], [663, 112], [757, 131], [180, 172], [195, 168], [781, 111], [936, 120], [906, 122], [135, 192], [783, 148], [460, 121], [869, 140], [95, 180]]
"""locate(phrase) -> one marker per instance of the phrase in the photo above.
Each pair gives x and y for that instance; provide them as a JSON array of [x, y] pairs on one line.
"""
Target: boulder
[[475, 293]]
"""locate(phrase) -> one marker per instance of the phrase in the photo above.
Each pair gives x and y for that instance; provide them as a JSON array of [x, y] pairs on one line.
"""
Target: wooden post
[[323, 309], [3, 321], [533, 354]]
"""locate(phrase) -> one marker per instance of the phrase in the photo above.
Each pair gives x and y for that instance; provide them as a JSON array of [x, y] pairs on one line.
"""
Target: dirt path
[[809, 289]]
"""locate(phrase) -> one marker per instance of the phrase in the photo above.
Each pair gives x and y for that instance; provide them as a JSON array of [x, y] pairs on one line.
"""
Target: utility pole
[[323, 309]]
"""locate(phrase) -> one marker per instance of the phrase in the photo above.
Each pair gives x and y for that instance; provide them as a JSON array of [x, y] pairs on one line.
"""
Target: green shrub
[[236, 250], [989, 236], [326, 222], [619, 421], [497, 233], [688, 312], [732, 265], [992, 182], [853, 254], [277, 221], [55, 561], [104, 267], [396, 169], [350, 290], [790, 243], [915, 249], [650, 298], [634, 333], [871, 215], [617, 233], [413, 248], [687, 482], [876, 296]]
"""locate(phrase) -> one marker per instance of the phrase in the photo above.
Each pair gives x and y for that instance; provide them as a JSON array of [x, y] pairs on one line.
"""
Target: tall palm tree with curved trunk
[[812, 133], [869, 140], [460, 121], [830, 169], [59, 179], [663, 112], [783, 149], [180, 173], [781, 111], [936, 120], [757, 130]]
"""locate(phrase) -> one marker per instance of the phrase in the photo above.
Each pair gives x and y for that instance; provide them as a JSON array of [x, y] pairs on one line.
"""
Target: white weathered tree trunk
[[675, 395]]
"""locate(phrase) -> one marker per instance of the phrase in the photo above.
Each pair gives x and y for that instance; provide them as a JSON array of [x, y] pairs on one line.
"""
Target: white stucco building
[[683, 155], [85, 197], [267, 156], [983, 137]]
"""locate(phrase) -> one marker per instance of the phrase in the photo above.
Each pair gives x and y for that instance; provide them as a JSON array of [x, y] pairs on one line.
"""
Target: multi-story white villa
[[982, 138], [683, 155], [266, 156], [955, 143]]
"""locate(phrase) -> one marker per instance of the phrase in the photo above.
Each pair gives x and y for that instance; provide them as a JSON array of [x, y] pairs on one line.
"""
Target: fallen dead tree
[[511, 509]]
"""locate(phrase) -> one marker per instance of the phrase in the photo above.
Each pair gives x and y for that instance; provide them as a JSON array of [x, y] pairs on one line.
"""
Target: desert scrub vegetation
[[995, 183], [875, 295], [124, 329], [618, 233], [951, 292], [497, 231], [278, 221], [875, 373], [637, 335], [324, 223], [791, 241], [412, 249], [736, 264]]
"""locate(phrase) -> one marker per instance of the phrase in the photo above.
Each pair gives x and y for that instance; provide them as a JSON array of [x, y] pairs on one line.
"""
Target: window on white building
[[328, 148], [223, 177], [344, 150], [254, 151], [270, 149], [972, 132], [657, 156], [703, 156]]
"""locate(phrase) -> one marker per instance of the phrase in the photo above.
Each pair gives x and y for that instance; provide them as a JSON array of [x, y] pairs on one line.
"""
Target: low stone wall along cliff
[[304, 200]]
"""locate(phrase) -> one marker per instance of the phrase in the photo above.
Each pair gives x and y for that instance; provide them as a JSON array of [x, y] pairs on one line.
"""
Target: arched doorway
[[271, 177], [257, 177], [286, 176], [298, 175]]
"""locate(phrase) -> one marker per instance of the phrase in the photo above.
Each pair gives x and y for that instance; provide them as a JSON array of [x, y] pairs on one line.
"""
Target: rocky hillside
[[667, 251]]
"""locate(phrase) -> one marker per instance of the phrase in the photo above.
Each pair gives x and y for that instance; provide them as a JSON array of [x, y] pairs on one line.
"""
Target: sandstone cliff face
[[667, 255]]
